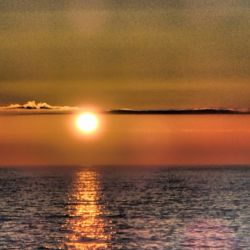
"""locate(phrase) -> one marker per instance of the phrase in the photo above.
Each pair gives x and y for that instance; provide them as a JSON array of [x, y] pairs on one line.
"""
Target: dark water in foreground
[[141, 209]]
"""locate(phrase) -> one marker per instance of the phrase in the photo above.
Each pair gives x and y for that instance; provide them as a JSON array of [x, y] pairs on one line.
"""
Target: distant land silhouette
[[31, 107], [44, 111], [178, 111]]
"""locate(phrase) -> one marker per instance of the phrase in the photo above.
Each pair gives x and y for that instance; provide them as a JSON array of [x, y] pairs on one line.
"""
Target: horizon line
[[68, 111], [147, 166], [33, 108]]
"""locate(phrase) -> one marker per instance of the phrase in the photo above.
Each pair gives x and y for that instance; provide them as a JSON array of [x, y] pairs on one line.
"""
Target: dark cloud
[[89, 45], [94, 39]]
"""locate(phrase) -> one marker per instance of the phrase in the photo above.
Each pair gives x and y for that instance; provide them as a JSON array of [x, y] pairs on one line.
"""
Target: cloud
[[30, 105], [34, 105], [37, 108]]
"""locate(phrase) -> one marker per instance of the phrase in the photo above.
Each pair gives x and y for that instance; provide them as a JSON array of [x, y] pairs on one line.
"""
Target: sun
[[87, 122]]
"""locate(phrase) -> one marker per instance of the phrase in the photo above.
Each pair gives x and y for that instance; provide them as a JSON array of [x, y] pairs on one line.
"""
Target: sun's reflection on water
[[85, 225]]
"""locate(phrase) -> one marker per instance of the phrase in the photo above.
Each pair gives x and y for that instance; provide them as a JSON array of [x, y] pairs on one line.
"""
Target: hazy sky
[[135, 54], [125, 140]]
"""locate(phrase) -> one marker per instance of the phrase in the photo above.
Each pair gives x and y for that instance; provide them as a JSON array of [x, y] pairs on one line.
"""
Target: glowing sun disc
[[87, 122]]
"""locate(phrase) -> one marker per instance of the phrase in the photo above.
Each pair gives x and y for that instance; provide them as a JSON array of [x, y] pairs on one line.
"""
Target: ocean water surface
[[131, 203], [125, 208]]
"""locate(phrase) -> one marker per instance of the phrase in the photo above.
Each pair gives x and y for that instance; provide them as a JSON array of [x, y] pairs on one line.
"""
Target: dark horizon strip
[[179, 112], [43, 111], [129, 166]]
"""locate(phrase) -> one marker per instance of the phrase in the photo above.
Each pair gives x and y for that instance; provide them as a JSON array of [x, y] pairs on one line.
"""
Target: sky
[[132, 54], [32, 140]]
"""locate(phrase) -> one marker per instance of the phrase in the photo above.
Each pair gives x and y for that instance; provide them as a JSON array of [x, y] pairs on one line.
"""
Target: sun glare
[[87, 122]]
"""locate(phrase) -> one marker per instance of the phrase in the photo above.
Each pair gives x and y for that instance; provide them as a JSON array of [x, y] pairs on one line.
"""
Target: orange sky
[[110, 54], [145, 140]]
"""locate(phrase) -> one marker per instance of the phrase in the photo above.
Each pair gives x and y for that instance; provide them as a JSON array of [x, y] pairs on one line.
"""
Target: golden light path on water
[[86, 225]]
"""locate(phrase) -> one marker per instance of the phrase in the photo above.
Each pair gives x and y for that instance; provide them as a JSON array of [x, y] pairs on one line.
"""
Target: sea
[[125, 207]]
